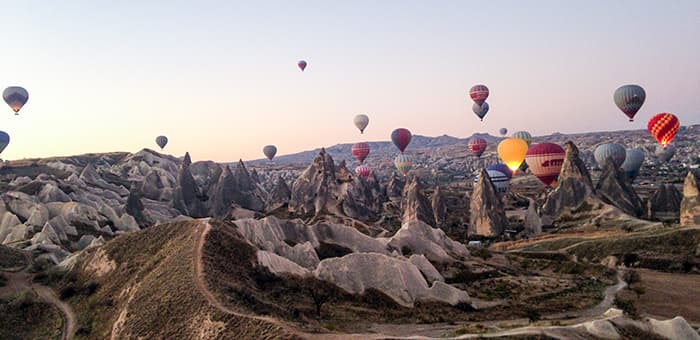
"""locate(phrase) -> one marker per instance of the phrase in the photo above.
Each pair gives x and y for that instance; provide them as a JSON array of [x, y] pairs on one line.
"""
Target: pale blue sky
[[220, 78]]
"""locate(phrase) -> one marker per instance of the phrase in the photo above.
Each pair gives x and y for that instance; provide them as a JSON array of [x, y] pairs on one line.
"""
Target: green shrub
[[626, 306], [631, 277]]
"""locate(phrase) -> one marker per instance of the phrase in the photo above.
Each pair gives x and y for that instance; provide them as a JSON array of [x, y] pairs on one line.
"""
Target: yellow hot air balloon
[[512, 152]]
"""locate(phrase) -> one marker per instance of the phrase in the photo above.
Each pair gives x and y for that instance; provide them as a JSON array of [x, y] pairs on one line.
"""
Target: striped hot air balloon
[[502, 168], [161, 141], [480, 110], [403, 163], [500, 180], [633, 162], [503, 132], [401, 138], [610, 150], [512, 152], [479, 93], [477, 146], [4, 140], [360, 151], [15, 97], [665, 154], [524, 135], [270, 151], [545, 161], [363, 170], [629, 98], [663, 127]]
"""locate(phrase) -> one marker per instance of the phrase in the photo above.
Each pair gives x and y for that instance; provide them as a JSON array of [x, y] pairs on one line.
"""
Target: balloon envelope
[[15, 97], [361, 122], [633, 162], [363, 170], [477, 146], [545, 161], [479, 93], [401, 138], [502, 168], [302, 65], [161, 141], [4, 140], [360, 151], [270, 151], [512, 152], [503, 131], [665, 154], [403, 163], [629, 98], [500, 181], [480, 110], [524, 135], [610, 150], [663, 127]]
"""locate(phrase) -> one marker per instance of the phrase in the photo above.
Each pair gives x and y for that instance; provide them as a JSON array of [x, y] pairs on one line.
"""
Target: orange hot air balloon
[[512, 152], [663, 127]]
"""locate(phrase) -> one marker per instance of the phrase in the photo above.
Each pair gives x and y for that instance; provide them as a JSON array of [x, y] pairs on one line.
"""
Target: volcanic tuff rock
[[665, 204], [223, 194], [416, 237], [690, 205], [574, 186], [188, 199], [533, 222], [439, 206], [487, 214], [280, 194], [415, 206], [614, 189], [395, 187]]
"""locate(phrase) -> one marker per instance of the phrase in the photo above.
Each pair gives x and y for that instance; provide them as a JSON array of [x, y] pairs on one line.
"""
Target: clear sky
[[220, 78]]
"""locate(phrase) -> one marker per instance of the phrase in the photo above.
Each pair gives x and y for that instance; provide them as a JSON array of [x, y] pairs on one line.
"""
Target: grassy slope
[[11, 258], [23, 318]]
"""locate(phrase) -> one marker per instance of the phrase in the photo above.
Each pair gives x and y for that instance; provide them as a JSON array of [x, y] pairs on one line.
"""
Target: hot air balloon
[[663, 127], [633, 161], [480, 110], [4, 140], [401, 138], [403, 163], [363, 170], [629, 98], [665, 154], [477, 145], [500, 181], [15, 97], [162, 141], [302, 65], [502, 168], [270, 151], [503, 131], [479, 93], [545, 160], [361, 122], [524, 135], [610, 150], [512, 152], [360, 151]]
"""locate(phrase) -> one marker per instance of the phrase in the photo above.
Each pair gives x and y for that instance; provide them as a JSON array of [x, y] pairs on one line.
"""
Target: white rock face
[[676, 328], [426, 268], [601, 328], [280, 265], [423, 239], [397, 278]]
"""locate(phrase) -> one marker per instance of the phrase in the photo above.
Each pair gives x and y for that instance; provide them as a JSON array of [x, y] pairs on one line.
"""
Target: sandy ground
[[669, 295]]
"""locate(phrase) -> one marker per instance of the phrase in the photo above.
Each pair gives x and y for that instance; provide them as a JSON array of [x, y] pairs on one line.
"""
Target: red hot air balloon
[[477, 146], [664, 127], [545, 161], [360, 151], [363, 170], [479, 93], [302, 65], [401, 138]]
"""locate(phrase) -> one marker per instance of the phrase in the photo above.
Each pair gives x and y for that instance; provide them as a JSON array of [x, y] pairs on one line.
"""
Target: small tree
[[319, 291]]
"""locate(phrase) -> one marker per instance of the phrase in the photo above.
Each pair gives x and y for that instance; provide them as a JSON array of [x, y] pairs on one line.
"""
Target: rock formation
[[439, 206], [533, 222], [574, 186], [188, 199], [280, 194], [415, 206], [394, 189], [690, 205], [614, 189], [665, 204], [487, 214]]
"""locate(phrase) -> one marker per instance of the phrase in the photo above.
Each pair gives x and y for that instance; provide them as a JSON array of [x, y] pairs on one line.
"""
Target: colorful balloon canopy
[[502, 168], [403, 163], [270, 151], [665, 154], [480, 110], [610, 150], [302, 65], [363, 170], [500, 180], [524, 135], [477, 146], [15, 97], [545, 161], [629, 98], [162, 141], [4, 140], [663, 127], [360, 151], [479, 93], [401, 138], [633, 162], [512, 152], [503, 131], [361, 122]]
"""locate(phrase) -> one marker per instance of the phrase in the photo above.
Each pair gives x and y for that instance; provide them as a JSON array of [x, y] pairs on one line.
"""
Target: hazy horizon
[[221, 81]]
